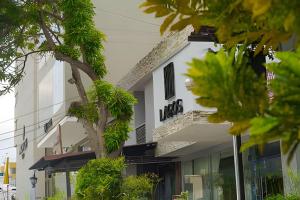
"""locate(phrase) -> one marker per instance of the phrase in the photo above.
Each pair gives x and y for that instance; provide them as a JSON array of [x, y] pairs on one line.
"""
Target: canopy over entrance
[[63, 162], [144, 154]]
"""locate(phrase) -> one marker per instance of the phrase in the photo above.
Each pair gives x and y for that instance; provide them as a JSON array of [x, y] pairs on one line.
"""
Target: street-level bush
[[282, 197], [59, 195], [137, 188], [100, 179]]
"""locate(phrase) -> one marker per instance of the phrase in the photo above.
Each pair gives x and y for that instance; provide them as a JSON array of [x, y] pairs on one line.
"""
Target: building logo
[[171, 110], [24, 145]]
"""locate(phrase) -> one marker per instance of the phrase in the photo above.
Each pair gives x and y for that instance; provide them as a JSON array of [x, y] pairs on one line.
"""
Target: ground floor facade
[[210, 174]]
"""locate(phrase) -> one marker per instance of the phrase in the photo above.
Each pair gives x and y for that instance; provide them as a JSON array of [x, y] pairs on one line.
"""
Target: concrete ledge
[[159, 54], [180, 122]]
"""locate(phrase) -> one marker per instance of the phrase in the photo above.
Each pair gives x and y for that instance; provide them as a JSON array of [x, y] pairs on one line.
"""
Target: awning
[[144, 154], [63, 162], [134, 154]]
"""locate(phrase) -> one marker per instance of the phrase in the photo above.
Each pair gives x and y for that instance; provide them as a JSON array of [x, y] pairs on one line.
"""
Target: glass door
[[263, 172]]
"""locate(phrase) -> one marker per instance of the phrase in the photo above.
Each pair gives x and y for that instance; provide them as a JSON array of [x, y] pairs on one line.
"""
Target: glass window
[[263, 172], [202, 179], [223, 175], [211, 177]]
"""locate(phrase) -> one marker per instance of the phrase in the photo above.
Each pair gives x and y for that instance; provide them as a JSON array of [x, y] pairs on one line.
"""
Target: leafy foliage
[[137, 188], [226, 82], [59, 195], [65, 29], [80, 31], [118, 101], [115, 134], [236, 21], [183, 196], [100, 179], [281, 121], [229, 84], [281, 197]]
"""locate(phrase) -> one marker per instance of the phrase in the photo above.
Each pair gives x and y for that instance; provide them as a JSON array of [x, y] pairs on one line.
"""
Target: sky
[[7, 105]]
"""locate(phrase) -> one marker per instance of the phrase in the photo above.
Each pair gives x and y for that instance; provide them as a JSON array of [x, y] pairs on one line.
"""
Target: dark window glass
[[169, 81]]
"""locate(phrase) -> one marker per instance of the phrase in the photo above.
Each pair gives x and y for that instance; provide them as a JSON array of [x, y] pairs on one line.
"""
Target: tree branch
[[59, 56], [58, 17], [79, 85]]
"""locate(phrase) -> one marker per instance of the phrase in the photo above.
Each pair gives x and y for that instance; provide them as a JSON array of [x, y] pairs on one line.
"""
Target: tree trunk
[[95, 135], [103, 113]]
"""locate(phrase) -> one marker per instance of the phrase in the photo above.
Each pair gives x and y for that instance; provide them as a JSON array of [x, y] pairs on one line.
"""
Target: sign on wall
[[24, 145], [171, 109]]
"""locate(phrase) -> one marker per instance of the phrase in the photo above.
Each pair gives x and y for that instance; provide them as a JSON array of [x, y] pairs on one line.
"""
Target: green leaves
[[178, 13], [137, 188], [119, 102], [167, 22], [228, 83], [100, 179], [115, 134], [120, 106], [282, 121], [265, 23], [261, 125], [80, 32]]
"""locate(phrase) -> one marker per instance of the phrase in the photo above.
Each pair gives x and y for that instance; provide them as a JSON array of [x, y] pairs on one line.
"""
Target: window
[[169, 81]]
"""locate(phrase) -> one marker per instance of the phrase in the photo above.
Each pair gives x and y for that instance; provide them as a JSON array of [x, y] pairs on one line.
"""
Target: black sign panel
[[169, 81]]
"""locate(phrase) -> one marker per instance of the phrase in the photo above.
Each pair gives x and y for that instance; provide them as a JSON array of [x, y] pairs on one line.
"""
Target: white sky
[[7, 105]]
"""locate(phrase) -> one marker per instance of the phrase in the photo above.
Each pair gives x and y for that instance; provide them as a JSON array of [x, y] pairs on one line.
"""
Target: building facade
[[171, 137], [201, 154], [45, 93]]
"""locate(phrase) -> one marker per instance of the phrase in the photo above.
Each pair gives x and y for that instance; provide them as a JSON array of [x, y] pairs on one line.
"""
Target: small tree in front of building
[[65, 29], [226, 81]]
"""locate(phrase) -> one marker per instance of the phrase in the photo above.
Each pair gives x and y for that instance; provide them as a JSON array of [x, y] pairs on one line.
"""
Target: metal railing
[[141, 134]]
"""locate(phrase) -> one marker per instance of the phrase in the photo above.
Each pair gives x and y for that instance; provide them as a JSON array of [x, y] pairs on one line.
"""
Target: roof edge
[[158, 55]]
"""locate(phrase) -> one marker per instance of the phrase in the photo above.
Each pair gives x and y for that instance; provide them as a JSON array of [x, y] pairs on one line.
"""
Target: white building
[[44, 94], [192, 154], [187, 152]]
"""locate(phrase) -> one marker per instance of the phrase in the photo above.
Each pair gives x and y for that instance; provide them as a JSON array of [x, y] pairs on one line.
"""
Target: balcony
[[141, 134]]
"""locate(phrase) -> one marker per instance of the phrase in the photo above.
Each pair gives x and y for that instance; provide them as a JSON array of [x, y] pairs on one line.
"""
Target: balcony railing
[[141, 134]]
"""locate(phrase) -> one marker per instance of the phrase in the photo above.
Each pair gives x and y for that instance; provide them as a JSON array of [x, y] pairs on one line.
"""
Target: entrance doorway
[[263, 172]]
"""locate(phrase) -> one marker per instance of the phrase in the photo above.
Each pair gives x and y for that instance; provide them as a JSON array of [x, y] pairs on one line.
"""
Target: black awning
[[205, 34], [63, 162], [142, 160], [143, 154], [140, 149]]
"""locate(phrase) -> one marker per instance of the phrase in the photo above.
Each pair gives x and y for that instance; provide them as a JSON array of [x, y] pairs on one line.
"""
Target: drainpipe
[[238, 168]]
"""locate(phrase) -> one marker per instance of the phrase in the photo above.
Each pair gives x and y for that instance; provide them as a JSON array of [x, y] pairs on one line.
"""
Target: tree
[[65, 30], [270, 110]]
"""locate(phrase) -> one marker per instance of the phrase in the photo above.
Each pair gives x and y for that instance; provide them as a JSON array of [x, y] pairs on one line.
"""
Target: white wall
[[139, 109], [194, 49], [149, 110], [26, 105]]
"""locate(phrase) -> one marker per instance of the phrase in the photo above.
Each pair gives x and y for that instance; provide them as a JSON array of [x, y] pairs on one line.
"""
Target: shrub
[[100, 179], [59, 195], [281, 197], [137, 188]]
